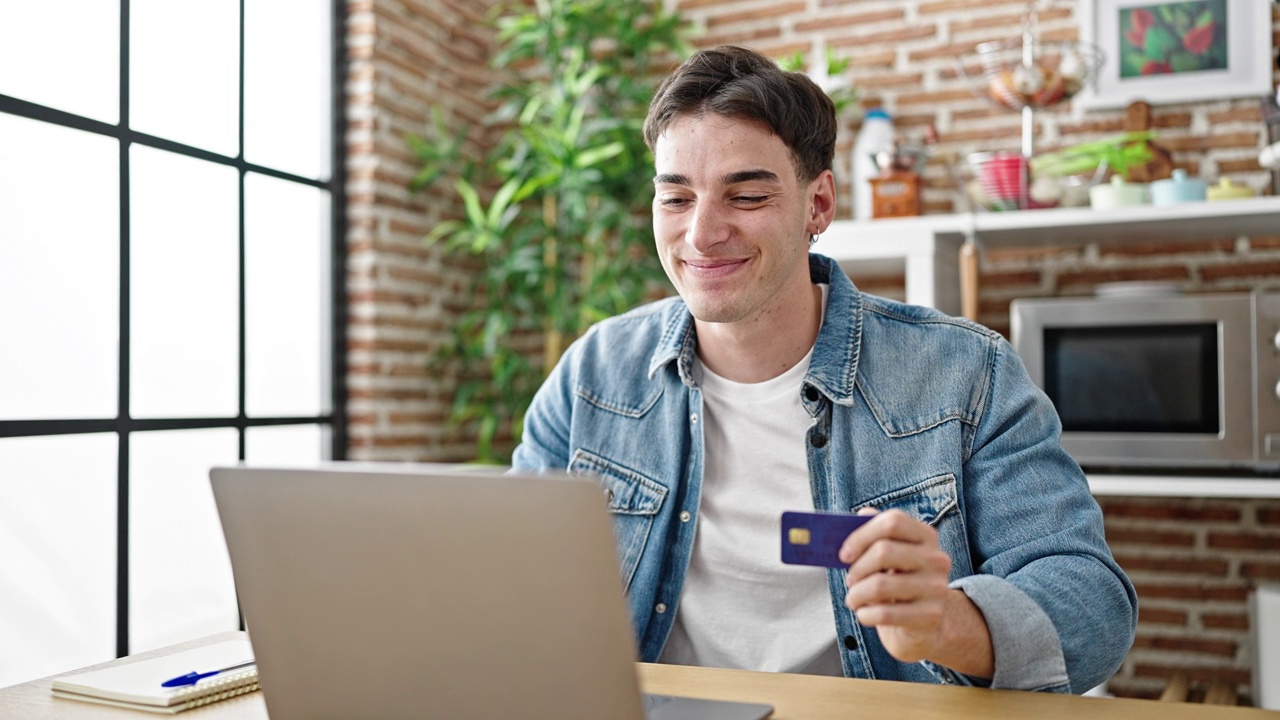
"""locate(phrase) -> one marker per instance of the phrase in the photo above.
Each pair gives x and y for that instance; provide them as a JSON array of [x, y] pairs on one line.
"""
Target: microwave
[[1159, 381]]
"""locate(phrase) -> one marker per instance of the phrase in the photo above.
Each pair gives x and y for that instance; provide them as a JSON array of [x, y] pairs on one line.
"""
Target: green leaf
[[471, 200], [442, 229], [501, 199], [1159, 43]]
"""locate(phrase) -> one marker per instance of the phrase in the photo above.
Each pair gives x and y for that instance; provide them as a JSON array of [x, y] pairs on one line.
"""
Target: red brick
[[1202, 674], [1170, 120], [1196, 646], [1250, 114], [832, 22], [1171, 538], [748, 37], [1224, 245], [1237, 593], [1244, 541], [1269, 515], [1096, 277], [1224, 621], [995, 256], [1159, 616], [880, 38], [911, 80], [1239, 270], [1179, 566], [884, 58], [1205, 142], [737, 16], [1003, 279], [953, 50], [943, 6], [1160, 510], [1238, 166], [1260, 570]]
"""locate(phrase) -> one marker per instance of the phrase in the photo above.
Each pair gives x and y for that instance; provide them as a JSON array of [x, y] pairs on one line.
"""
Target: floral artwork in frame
[[1181, 51]]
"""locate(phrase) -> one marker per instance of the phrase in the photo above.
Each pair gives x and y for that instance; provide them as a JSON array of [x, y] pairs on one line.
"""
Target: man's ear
[[822, 203]]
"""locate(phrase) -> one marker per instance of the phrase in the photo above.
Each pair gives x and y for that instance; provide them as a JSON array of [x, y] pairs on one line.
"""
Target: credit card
[[810, 538]]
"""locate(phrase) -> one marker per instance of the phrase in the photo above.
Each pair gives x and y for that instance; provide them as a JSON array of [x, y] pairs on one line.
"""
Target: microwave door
[[1146, 382]]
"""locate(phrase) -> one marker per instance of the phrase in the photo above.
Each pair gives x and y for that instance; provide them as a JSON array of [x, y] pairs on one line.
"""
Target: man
[[772, 384]]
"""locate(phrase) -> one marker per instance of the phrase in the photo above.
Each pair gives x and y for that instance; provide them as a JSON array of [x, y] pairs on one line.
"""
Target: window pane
[[286, 445], [184, 297], [286, 298], [63, 54], [184, 72], [286, 89], [57, 554], [59, 272], [180, 575]]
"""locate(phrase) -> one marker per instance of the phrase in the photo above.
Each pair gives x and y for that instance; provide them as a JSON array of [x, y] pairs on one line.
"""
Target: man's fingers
[[902, 615], [893, 524], [891, 588]]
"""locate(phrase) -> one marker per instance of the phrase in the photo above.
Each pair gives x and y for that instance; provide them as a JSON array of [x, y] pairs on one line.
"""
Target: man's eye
[[672, 202], [751, 198]]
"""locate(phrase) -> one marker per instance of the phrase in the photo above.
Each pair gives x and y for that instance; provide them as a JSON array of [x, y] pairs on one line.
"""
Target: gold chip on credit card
[[799, 536]]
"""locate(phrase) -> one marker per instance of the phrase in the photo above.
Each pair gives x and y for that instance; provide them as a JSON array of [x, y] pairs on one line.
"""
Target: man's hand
[[897, 583]]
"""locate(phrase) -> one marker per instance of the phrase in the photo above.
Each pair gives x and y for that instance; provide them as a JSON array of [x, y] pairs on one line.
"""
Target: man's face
[[730, 217]]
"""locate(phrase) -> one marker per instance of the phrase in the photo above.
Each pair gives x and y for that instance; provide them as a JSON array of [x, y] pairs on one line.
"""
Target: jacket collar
[[835, 353]]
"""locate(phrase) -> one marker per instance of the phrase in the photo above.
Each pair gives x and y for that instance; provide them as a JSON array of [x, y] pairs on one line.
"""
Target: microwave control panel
[[1267, 373]]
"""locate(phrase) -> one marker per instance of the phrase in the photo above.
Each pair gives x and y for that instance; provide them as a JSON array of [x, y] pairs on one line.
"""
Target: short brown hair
[[741, 83]]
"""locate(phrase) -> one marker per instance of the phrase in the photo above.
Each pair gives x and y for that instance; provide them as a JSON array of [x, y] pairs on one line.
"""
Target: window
[[170, 299]]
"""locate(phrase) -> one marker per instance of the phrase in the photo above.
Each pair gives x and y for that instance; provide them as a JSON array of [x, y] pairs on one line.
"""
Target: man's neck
[[763, 347]]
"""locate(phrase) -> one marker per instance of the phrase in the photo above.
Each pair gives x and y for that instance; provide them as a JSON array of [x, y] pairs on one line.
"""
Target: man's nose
[[708, 227]]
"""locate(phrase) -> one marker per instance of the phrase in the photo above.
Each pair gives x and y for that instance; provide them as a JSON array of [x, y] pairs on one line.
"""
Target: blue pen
[[192, 678]]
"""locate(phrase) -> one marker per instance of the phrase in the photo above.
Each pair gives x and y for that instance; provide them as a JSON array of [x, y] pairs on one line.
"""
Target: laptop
[[411, 591]]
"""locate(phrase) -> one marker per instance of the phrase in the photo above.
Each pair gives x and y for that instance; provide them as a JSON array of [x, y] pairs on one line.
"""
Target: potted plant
[[1064, 176], [557, 210]]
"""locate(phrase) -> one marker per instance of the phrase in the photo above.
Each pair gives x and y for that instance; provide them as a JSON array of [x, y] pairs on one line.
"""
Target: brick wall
[[405, 57], [1193, 563], [1193, 560]]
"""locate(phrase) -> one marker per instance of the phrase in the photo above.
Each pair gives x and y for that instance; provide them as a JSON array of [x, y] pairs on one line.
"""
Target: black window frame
[[123, 425]]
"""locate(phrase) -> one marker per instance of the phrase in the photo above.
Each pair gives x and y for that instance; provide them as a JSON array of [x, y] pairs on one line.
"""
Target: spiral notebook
[[137, 685]]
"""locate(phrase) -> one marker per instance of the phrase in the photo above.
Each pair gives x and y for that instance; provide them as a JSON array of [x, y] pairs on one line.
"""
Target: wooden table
[[795, 697]]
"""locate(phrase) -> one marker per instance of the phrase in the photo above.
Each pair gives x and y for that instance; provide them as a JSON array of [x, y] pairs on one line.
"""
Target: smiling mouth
[[712, 268]]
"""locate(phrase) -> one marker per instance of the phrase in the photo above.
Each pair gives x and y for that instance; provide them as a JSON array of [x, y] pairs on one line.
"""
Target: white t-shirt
[[741, 607]]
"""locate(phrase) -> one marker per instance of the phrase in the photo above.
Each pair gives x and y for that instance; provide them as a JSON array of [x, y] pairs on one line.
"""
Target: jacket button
[[811, 393], [850, 642], [819, 440], [694, 418], [660, 608], [685, 516]]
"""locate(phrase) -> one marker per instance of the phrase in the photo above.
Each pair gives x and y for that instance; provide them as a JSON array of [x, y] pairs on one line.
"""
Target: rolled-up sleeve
[[1061, 612]]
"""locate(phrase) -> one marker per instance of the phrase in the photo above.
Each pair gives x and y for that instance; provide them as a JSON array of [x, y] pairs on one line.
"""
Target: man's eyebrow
[[748, 175], [670, 179], [730, 179]]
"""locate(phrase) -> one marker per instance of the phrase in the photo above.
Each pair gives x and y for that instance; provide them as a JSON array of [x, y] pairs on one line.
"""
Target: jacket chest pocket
[[935, 503], [633, 501]]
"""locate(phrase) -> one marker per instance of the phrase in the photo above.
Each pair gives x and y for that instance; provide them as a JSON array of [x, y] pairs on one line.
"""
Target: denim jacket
[[913, 410]]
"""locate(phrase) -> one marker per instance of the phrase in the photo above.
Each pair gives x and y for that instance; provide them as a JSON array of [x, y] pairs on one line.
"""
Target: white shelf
[[1187, 487], [926, 250], [926, 247]]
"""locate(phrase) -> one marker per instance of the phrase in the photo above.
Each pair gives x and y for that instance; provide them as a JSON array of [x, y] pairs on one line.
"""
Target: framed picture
[[1181, 51]]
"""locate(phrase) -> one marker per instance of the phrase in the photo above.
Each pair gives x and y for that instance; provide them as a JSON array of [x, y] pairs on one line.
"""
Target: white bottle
[[876, 133]]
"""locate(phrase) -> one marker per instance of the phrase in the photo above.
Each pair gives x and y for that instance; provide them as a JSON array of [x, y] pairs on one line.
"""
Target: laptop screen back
[[421, 591]]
